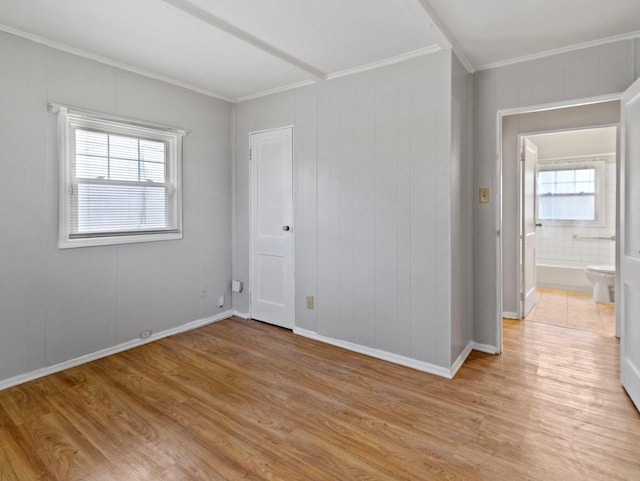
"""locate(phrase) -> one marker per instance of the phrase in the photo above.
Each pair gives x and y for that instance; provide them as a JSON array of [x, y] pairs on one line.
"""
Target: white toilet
[[603, 279]]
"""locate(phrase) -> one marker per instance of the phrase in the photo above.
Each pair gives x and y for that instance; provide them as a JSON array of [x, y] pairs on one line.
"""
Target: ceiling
[[239, 49], [576, 143], [491, 32]]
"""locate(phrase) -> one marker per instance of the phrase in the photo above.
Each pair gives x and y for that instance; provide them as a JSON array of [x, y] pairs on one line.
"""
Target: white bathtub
[[562, 275]]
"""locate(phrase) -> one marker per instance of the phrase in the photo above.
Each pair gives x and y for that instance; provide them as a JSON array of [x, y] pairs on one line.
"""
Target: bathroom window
[[569, 193], [119, 181]]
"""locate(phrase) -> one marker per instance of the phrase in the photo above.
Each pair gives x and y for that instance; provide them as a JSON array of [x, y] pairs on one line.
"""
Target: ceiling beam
[[217, 22]]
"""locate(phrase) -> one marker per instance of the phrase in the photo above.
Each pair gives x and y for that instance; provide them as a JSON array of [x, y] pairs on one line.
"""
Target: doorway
[[514, 127], [271, 262], [568, 218], [623, 110]]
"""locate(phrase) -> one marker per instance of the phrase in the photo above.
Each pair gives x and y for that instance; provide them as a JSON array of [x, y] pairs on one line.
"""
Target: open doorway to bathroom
[[568, 228], [559, 214]]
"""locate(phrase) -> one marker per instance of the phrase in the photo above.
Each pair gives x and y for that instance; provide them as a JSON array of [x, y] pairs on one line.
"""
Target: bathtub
[[562, 275]]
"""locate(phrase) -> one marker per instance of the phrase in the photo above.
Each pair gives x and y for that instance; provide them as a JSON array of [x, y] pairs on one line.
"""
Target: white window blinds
[[119, 181]]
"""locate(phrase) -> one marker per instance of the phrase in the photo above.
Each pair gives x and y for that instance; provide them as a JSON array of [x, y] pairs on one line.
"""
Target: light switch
[[485, 195]]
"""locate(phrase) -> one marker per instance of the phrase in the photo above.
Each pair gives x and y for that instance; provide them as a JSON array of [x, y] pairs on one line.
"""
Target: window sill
[[115, 240]]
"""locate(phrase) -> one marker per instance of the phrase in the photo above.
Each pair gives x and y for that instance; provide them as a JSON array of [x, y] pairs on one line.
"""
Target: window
[[568, 193], [119, 180]]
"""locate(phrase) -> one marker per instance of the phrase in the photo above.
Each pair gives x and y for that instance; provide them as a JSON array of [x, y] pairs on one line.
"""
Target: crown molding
[[275, 90], [561, 50], [384, 62], [463, 59], [109, 61], [447, 35]]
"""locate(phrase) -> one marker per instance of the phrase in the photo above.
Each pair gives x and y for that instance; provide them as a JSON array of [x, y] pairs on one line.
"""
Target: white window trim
[[599, 165], [64, 239]]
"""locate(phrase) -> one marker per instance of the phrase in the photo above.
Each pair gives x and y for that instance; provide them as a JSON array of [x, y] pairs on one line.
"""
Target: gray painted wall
[[372, 200], [513, 125], [462, 199], [590, 72], [59, 304]]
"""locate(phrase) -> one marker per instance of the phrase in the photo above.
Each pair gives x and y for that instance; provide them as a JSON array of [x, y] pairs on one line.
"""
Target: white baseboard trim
[[565, 287], [379, 354], [510, 315], [243, 315], [489, 349], [45, 371], [461, 359]]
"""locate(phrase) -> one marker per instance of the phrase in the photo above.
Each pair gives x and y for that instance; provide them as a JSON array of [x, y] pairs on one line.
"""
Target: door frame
[[252, 220], [500, 115]]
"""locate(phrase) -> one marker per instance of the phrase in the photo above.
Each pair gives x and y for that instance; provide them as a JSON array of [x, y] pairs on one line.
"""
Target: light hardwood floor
[[244, 400]]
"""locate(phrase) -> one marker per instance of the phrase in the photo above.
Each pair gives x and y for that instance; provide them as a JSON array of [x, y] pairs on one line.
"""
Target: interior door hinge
[[522, 296], [249, 154], [522, 156]]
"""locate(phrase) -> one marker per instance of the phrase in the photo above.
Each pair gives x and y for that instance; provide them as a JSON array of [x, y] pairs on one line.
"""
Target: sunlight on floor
[[573, 310]]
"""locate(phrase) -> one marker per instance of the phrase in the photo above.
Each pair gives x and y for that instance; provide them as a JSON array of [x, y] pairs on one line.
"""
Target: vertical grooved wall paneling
[[370, 211], [60, 304]]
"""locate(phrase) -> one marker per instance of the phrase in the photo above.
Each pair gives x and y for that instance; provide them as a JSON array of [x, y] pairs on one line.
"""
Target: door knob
[[538, 224], [285, 228]]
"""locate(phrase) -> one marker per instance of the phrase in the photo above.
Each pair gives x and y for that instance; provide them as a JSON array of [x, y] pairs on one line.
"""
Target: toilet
[[603, 279]]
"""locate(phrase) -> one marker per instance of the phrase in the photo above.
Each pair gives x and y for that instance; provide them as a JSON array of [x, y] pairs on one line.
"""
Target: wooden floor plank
[[244, 400]]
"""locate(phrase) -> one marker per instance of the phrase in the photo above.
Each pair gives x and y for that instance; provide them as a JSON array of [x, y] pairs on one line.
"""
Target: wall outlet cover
[[236, 286]]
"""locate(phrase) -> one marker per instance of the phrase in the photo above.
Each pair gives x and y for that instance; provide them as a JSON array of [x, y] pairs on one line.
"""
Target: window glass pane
[[573, 207], [91, 143], [123, 170], [152, 151], [584, 175], [123, 147], [563, 176], [151, 171], [547, 177], [120, 208], [586, 187], [565, 188], [92, 167], [546, 189], [155, 207]]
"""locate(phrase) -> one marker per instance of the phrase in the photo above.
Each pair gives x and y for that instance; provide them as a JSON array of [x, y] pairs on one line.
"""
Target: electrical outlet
[[145, 334], [221, 300], [309, 302], [203, 291]]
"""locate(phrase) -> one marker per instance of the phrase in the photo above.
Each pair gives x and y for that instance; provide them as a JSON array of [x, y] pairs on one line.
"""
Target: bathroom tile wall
[[557, 246]]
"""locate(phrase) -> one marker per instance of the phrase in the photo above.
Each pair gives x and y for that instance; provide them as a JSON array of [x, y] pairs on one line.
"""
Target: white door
[[628, 287], [528, 229], [271, 275]]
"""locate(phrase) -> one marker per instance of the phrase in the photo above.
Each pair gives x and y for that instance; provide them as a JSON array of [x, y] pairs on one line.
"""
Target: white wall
[[373, 201], [601, 70], [59, 304]]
